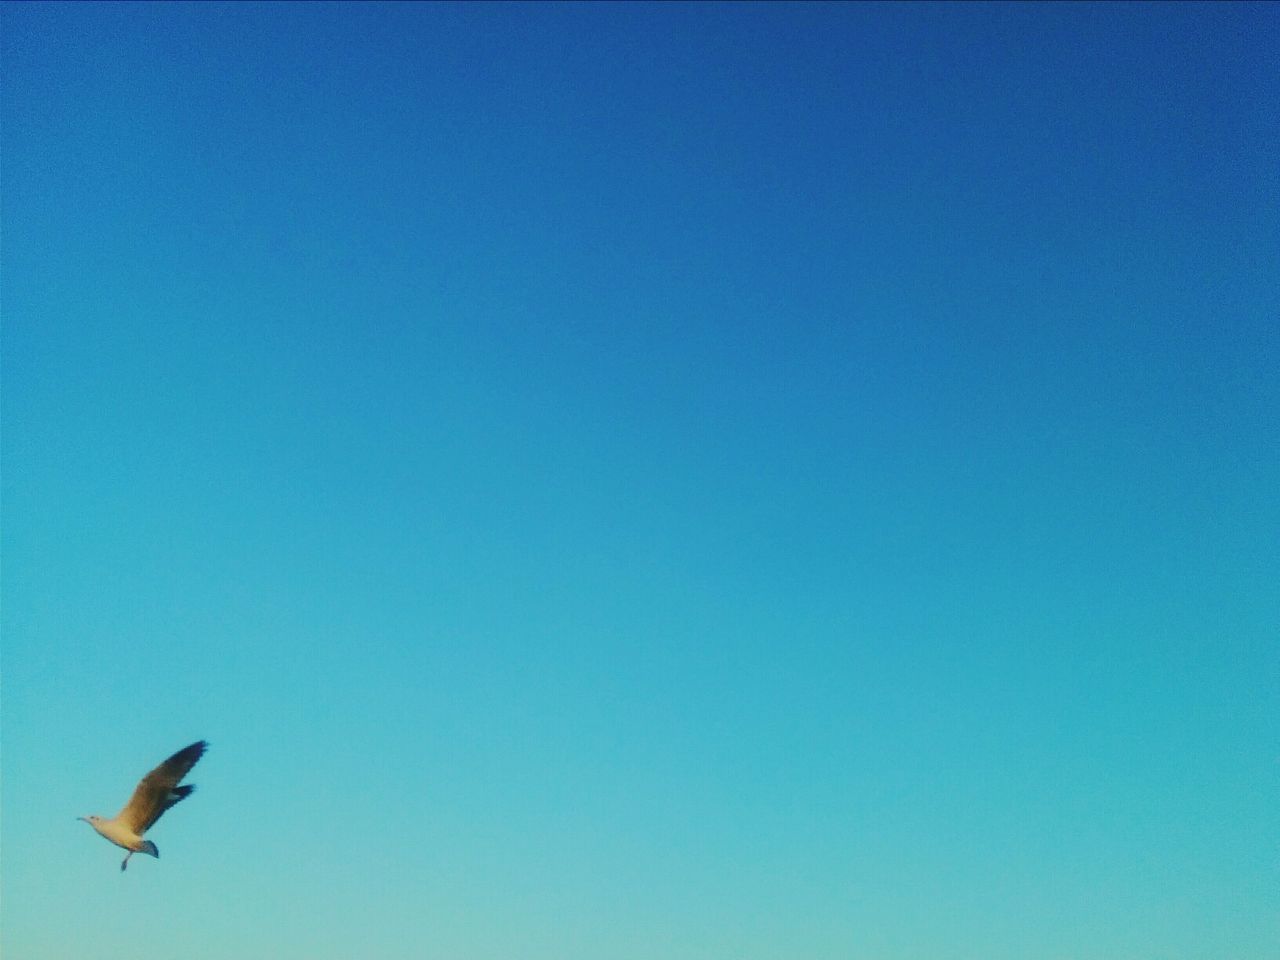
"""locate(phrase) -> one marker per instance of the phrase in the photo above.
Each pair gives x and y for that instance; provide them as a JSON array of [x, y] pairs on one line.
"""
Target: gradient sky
[[628, 481]]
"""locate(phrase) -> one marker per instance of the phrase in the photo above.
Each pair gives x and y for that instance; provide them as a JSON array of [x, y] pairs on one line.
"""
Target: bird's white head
[[91, 818]]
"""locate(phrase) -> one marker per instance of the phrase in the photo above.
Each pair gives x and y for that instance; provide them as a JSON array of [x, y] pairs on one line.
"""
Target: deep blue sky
[[627, 481]]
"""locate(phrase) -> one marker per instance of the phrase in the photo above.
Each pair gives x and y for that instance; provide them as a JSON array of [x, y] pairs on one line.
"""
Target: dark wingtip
[[190, 754]]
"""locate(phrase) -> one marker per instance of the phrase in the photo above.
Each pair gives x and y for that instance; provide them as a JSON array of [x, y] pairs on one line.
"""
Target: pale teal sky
[[632, 481]]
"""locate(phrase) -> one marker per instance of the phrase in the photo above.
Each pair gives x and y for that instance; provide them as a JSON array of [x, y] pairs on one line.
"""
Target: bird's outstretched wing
[[159, 790]]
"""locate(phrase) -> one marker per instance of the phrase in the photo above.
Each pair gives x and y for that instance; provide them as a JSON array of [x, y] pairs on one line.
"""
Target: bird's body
[[155, 793], [119, 834]]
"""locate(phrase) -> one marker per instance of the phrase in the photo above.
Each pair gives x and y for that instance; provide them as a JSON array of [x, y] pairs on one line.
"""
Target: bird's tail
[[149, 848], [181, 793]]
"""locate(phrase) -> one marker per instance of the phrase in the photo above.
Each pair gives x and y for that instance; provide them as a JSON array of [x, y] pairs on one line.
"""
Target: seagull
[[155, 793]]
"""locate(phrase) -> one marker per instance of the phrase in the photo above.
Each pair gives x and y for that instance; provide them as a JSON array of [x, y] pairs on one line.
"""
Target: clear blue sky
[[627, 481]]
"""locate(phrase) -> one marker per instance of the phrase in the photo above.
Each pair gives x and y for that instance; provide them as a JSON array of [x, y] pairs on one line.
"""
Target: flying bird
[[156, 793]]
